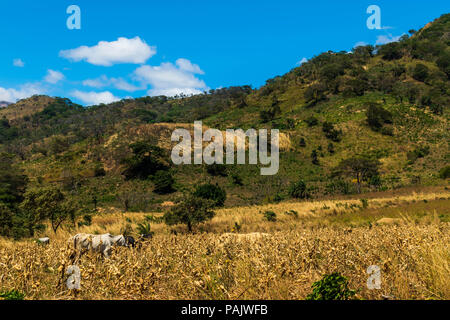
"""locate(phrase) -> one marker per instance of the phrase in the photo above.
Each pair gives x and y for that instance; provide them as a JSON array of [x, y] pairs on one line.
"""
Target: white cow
[[43, 241], [99, 243]]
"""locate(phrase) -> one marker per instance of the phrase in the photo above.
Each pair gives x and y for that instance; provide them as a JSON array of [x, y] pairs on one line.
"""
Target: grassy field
[[406, 235]]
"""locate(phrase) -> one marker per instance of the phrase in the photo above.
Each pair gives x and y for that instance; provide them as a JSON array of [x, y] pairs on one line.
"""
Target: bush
[[164, 182], [12, 295], [217, 170], [99, 171], [377, 116], [270, 216], [331, 132], [315, 93], [87, 221], [236, 179], [420, 72], [331, 287], [387, 131], [315, 158], [339, 186], [298, 190], [331, 148], [302, 143], [144, 228], [292, 213], [211, 192], [417, 153], [311, 121], [365, 203], [444, 173]]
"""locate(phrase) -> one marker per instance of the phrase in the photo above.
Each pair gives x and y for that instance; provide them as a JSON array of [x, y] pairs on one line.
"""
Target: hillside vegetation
[[375, 119]]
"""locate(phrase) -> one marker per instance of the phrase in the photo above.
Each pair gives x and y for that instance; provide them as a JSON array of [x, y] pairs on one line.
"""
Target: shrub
[[270, 216], [339, 186], [331, 132], [387, 131], [236, 179], [365, 203], [164, 182], [12, 295], [444, 173], [144, 228], [298, 190], [315, 93], [87, 221], [420, 72], [99, 171], [217, 170], [417, 153], [315, 157], [311, 121], [302, 143], [377, 116], [331, 287], [211, 192], [292, 213], [331, 148]]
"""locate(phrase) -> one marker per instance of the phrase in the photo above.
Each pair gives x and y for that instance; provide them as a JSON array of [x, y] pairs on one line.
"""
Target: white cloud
[[171, 92], [25, 91], [170, 80], [118, 83], [18, 63], [53, 76], [186, 65], [304, 60], [387, 39], [94, 98], [360, 44], [106, 54], [99, 82]]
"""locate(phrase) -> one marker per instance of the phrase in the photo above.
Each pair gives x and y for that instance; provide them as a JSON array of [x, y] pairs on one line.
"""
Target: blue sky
[[136, 48]]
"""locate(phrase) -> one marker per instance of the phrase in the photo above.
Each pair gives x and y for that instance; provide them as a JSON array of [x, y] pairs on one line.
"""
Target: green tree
[[298, 190], [211, 192], [164, 182], [12, 181], [420, 72], [146, 160], [190, 211], [360, 168], [315, 93], [377, 116], [48, 203]]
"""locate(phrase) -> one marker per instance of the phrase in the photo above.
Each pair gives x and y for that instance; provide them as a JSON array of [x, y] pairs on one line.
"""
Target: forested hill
[[386, 104]]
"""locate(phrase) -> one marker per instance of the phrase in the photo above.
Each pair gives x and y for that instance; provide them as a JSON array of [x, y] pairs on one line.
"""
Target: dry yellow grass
[[413, 256]]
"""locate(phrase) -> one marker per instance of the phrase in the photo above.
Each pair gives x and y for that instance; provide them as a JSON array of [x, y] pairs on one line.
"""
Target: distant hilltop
[[4, 104]]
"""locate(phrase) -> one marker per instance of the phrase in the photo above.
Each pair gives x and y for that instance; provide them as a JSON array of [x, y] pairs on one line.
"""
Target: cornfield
[[413, 256]]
